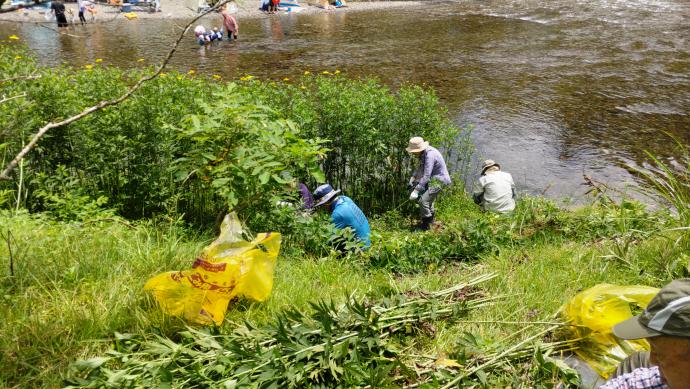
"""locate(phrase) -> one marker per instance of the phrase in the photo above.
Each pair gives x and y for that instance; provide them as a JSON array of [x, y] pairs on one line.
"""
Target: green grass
[[76, 284]]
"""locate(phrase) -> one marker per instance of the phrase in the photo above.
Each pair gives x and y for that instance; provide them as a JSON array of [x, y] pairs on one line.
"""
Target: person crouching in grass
[[345, 215]]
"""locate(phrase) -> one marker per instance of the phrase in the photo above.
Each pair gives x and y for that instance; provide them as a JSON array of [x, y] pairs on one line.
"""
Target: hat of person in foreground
[[416, 145], [489, 163], [323, 194], [667, 314]]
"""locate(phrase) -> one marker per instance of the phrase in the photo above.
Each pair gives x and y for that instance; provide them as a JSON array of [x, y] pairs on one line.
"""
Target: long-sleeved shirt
[[345, 213], [230, 23], [307, 197], [641, 378], [431, 165], [496, 189]]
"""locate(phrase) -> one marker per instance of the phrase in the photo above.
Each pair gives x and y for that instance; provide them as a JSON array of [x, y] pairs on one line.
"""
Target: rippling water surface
[[554, 89]]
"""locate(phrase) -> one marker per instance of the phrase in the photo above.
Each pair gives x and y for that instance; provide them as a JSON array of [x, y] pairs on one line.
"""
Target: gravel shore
[[180, 9]]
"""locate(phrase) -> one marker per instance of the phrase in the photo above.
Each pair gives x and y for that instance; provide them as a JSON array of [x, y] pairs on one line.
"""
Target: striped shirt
[[640, 378]]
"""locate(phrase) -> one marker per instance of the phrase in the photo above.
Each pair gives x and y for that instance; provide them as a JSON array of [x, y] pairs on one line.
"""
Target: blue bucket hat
[[323, 194]]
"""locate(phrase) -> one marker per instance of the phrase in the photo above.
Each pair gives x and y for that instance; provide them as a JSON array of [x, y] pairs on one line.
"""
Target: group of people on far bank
[[493, 192]]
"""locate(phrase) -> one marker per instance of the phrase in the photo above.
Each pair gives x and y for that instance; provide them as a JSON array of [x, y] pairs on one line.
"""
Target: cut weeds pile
[[355, 344]]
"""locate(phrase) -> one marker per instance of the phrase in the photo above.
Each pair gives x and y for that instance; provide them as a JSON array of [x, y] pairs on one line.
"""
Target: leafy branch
[[5, 174]]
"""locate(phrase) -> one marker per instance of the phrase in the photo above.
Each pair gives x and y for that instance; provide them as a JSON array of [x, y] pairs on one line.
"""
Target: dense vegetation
[[185, 145], [103, 204]]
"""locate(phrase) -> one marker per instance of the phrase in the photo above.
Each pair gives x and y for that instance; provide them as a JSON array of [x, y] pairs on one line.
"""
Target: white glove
[[414, 195]]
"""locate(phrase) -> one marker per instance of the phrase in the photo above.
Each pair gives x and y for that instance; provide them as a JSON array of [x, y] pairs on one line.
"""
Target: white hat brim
[[326, 198]]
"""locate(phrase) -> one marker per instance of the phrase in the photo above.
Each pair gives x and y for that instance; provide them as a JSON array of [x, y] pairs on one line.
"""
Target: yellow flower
[[191, 71], [247, 77], [307, 72], [13, 38], [89, 66], [217, 77], [325, 72], [180, 77], [303, 87], [140, 60], [286, 79], [99, 60], [162, 75], [336, 71], [17, 57]]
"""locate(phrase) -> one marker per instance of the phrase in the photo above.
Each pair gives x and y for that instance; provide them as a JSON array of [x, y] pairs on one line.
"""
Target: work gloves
[[414, 195], [411, 184]]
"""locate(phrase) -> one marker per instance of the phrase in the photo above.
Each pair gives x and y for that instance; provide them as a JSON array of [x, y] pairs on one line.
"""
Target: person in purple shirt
[[306, 196], [428, 180]]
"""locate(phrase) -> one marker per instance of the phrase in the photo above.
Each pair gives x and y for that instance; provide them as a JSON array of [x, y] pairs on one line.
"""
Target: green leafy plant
[[240, 150], [357, 343]]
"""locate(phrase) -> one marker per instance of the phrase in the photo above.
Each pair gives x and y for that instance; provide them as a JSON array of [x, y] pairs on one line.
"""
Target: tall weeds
[[669, 182], [122, 158]]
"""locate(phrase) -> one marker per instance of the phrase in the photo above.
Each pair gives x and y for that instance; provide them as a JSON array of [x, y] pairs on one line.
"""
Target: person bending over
[[345, 214]]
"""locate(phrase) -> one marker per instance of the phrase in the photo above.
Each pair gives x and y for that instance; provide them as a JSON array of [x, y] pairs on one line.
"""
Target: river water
[[553, 89]]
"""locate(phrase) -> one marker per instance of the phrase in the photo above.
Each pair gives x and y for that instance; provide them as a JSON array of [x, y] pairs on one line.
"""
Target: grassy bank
[[105, 203], [75, 285]]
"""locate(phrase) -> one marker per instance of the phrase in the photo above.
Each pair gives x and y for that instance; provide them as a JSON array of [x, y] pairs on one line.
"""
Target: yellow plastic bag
[[228, 267], [595, 311]]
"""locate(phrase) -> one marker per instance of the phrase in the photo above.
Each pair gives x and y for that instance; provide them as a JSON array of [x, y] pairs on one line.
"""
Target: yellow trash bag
[[594, 312], [228, 267]]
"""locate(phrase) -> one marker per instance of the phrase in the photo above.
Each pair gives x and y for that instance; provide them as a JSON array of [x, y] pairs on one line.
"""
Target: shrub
[[132, 158]]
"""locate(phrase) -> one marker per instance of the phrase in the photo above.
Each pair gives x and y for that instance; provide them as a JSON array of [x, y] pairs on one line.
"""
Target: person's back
[[346, 213], [497, 188]]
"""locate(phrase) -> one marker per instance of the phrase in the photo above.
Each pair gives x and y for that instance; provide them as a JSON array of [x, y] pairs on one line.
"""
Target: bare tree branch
[[22, 78], [5, 174], [6, 99]]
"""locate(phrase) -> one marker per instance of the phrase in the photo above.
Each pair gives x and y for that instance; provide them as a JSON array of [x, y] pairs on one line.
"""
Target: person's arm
[[427, 166], [478, 192], [512, 185]]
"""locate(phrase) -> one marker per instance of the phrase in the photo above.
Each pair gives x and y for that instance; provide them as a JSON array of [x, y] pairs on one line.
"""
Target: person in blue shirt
[[344, 214]]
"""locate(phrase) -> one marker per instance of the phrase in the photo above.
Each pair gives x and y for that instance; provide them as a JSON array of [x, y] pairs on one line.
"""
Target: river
[[553, 89]]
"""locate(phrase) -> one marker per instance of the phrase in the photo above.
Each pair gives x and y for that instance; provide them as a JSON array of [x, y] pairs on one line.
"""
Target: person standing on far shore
[[230, 23], [59, 10]]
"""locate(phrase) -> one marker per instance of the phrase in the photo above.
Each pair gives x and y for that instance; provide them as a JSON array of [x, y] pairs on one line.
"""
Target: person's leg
[[82, 19], [426, 209]]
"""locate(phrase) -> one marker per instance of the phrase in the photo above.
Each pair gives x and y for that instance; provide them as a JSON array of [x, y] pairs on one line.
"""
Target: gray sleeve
[[635, 360]]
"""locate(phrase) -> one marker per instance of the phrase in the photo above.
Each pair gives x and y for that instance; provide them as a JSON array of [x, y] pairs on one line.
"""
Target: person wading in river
[[81, 4], [428, 180], [59, 10], [230, 23]]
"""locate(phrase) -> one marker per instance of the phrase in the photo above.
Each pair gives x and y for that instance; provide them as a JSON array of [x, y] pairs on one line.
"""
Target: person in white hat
[[428, 180], [495, 189]]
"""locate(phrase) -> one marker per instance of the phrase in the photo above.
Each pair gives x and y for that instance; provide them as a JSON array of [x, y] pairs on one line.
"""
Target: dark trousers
[[82, 19], [61, 20]]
